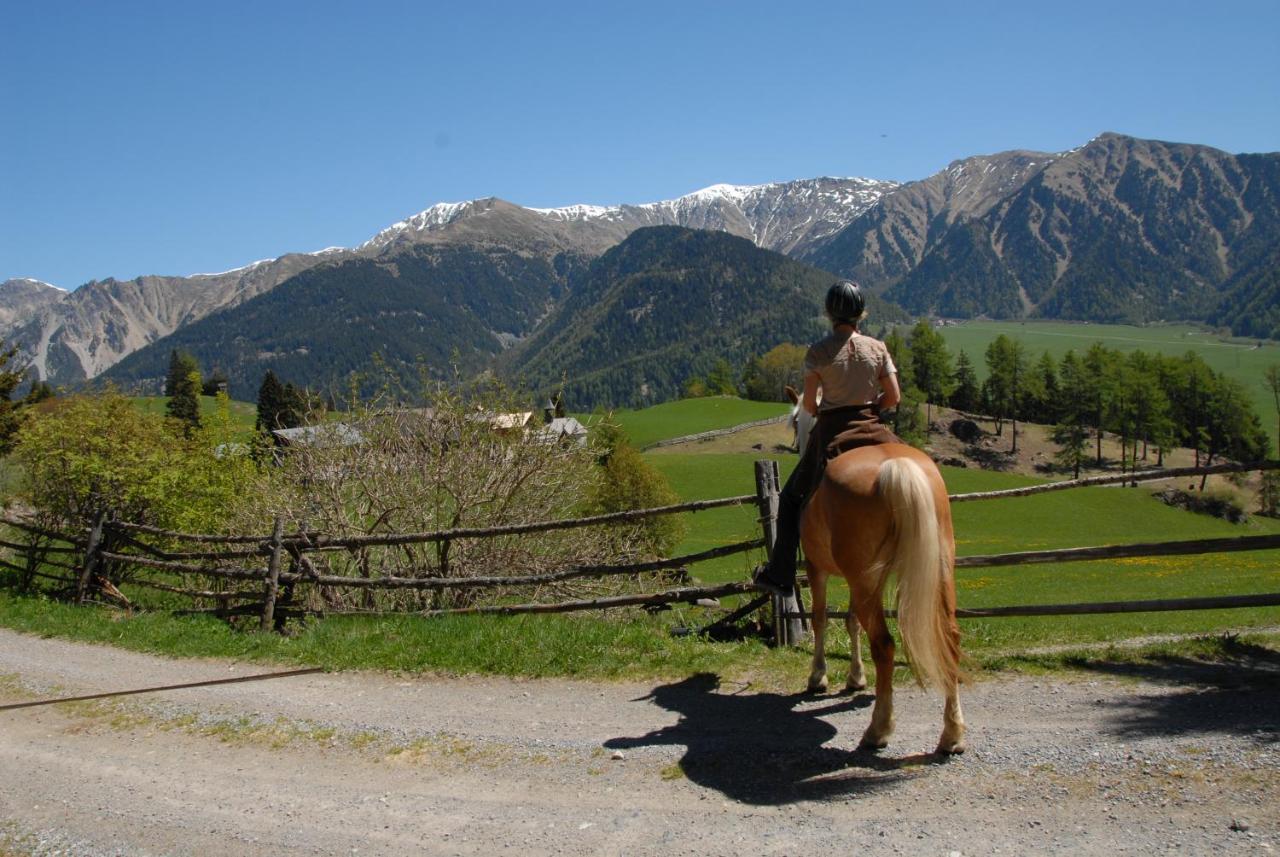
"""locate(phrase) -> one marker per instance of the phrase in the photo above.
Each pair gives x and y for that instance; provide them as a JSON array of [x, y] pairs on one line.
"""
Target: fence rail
[[269, 590]]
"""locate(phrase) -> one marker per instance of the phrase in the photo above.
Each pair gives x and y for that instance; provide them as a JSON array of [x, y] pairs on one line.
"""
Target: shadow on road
[[1237, 691], [761, 748]]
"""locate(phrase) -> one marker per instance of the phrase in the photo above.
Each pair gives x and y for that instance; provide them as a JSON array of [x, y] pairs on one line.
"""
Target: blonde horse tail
[[919, 562]]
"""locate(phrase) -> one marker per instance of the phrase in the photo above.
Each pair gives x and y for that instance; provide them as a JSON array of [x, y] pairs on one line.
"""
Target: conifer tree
[[10, 416], [930, 366], [1071, 432], [181, 364], [270, 403], [184, 404], [965, 395], [1272, 376]]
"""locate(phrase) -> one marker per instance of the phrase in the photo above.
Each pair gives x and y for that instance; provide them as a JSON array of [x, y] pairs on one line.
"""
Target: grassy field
[[632, 645], [243, 414], [1242, 359], [1095, 516], [691, 416]]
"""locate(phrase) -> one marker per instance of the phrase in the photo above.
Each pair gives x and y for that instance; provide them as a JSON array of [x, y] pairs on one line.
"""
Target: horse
[[880, 512]]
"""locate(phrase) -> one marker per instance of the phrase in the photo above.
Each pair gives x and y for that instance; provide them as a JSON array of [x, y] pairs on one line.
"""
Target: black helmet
[[845, 303]]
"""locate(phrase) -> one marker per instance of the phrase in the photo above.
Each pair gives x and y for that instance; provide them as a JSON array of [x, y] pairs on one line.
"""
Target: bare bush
[[460, 463]]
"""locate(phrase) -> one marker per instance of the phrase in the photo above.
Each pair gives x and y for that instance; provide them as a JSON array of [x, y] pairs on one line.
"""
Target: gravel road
[[1181, 757]]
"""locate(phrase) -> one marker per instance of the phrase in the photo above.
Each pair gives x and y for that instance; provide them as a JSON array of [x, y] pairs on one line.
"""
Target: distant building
[[321, 436], [562, 429]]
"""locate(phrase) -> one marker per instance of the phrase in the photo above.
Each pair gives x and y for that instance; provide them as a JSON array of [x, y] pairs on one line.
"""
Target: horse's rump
[[887, 516]]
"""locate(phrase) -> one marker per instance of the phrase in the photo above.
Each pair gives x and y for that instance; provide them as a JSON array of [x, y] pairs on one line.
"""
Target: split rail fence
[[263, 576]]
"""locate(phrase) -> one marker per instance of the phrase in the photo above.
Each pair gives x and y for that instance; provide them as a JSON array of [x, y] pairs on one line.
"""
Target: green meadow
[[1076, 518], [691, 416], [243, 414], [1243, 359], [637, 646]]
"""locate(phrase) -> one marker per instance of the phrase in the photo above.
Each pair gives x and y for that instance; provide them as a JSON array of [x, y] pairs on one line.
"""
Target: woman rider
[[857, 380]]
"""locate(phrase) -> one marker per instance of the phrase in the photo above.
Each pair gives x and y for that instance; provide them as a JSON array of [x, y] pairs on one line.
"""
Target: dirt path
[[1181, 759]]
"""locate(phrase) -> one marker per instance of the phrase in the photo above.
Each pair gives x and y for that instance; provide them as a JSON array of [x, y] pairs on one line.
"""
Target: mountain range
[[1118, 229]]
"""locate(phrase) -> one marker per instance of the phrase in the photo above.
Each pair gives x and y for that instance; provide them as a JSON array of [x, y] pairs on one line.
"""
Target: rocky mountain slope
[[94, 327], [1119, 230], [426, 308], [22, 298], [76, 335], [629, 326]]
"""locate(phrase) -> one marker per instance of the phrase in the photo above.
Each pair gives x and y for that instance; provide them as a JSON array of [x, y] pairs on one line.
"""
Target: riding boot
[[780, 572]]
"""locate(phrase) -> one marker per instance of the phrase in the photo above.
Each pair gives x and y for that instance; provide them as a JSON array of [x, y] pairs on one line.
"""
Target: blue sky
[[176, 138]]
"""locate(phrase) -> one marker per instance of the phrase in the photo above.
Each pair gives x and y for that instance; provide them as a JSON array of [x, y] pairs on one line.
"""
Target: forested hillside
[[438, 306], [665, 306]]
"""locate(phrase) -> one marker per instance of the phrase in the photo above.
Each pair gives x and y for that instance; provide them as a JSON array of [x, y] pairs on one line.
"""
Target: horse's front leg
[[857, 679], [818, 672]]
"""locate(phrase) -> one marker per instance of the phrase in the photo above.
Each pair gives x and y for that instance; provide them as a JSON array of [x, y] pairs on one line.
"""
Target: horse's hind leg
[[857, 679], [871, 615], [818, 590], [952, 740]]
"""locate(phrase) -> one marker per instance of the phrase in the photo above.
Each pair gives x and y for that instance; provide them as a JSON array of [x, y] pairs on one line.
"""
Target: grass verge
[[630, 647]]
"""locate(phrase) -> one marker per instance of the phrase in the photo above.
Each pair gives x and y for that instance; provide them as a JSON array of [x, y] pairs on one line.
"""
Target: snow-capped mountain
[[781, 216], [23, 297], [69, 336]]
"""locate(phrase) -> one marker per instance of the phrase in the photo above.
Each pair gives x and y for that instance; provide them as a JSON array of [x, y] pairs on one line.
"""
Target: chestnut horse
[[880, 512]]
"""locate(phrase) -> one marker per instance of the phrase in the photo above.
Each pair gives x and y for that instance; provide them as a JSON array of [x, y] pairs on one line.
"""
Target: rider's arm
[[810, 401], [890, 394]]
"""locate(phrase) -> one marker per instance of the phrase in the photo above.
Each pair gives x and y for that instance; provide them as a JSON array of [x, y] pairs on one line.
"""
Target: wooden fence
[[261, 575]]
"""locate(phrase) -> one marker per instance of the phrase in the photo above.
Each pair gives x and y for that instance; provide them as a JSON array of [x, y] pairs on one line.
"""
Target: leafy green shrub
[[629, 482], [81, 455]]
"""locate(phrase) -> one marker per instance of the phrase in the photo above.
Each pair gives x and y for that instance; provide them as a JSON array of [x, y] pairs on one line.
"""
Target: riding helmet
[[845, 303]]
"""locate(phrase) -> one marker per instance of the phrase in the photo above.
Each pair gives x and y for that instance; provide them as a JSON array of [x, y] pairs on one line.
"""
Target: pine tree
[[181, 364], [1272, 377], [1071, 432], [270, 403], [1099, 368], [931, 366], [1042, 401], [184, 404], [1006, 375], [965, 395], [10, 415]]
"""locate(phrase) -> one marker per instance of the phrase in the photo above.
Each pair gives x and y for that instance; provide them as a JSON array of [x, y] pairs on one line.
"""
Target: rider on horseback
[[857, 379]]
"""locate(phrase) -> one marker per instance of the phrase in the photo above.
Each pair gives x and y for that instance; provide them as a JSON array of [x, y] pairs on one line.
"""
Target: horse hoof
[[872, 743], [818, 685], [951, 748], [854, 685]]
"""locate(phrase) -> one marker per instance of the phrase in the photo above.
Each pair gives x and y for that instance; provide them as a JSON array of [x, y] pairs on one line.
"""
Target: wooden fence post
[[90, 556], [273, 577], [786, 632]]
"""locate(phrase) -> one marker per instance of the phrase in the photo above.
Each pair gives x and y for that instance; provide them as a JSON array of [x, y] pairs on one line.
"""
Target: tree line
[[1151, 402]]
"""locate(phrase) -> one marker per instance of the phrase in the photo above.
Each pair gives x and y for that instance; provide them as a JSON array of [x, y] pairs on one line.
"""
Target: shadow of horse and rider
[[769, 748]]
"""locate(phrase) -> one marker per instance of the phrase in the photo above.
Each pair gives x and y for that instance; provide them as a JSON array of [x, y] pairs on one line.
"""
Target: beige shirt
[[850, 367]]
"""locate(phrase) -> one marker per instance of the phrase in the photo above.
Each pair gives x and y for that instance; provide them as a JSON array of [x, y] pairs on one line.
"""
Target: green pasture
[[1243, 359], [691, 416], [628, 644], [243, 414], [1076, 518]]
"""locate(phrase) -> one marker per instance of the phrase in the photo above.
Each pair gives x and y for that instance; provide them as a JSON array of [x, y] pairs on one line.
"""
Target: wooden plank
[[1182, 548], [91, 557], [671, 596], [1162, 605], [272, 587]]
